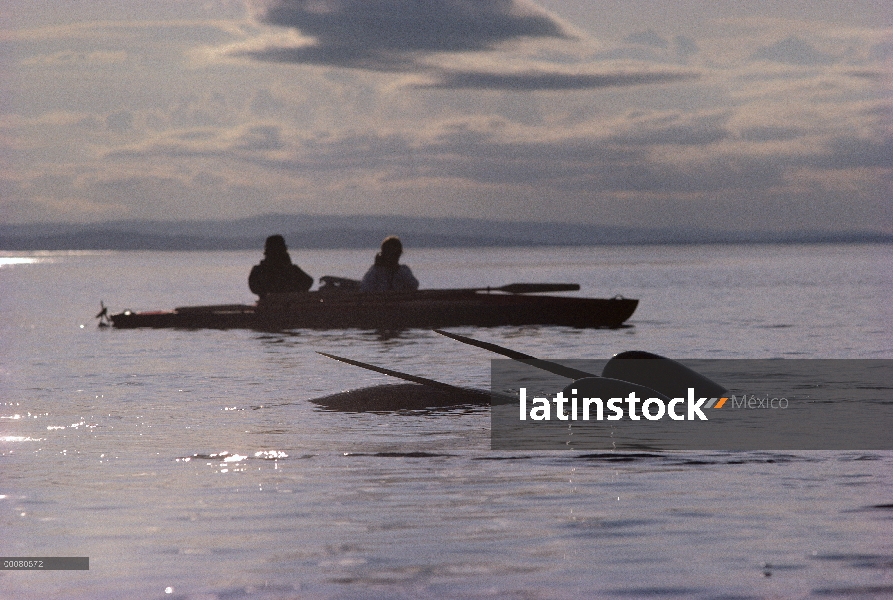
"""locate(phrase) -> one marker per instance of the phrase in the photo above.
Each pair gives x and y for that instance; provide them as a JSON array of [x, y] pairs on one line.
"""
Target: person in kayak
[[387, 274], [276, 273]]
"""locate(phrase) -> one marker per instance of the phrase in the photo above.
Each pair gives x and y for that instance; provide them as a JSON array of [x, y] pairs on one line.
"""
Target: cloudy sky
[[730, 114]]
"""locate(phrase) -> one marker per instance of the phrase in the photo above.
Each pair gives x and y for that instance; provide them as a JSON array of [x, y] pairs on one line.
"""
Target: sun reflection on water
[[8, 261]]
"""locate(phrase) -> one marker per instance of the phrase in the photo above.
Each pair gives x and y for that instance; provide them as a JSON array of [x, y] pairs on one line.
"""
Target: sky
[[727, 114]]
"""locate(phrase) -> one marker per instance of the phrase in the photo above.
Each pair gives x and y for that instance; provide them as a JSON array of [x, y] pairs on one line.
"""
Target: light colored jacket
[[382, 279]]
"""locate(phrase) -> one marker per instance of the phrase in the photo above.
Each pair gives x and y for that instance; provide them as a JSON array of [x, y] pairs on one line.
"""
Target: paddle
[[103, 315], [667, 376]]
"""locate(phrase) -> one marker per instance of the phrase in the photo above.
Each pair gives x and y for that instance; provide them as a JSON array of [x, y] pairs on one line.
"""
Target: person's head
[[275, 246], [391, 249]]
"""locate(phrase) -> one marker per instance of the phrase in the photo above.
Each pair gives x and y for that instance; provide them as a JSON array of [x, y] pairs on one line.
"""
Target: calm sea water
[[191, 464]]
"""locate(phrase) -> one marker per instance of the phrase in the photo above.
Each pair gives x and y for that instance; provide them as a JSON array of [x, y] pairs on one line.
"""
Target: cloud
[[882, 51], [793, 51], [878, 76], [770, 133], [119, 121], [647, 38], [261, 137], [685, 46], [71, 58], [388, 35], [580, 162], [415, 36], [264, 103], [652, 47], [184, 132], [854, 152], [552, 81], [672, 158]]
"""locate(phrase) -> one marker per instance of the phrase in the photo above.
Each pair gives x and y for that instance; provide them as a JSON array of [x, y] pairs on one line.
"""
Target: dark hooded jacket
[[276, 273]]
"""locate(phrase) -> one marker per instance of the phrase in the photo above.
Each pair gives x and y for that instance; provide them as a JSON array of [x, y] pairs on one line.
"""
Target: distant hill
[[315, 231]]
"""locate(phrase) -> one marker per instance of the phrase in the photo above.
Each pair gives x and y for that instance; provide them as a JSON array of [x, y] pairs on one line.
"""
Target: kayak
[[390, 310], [386, 311]]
